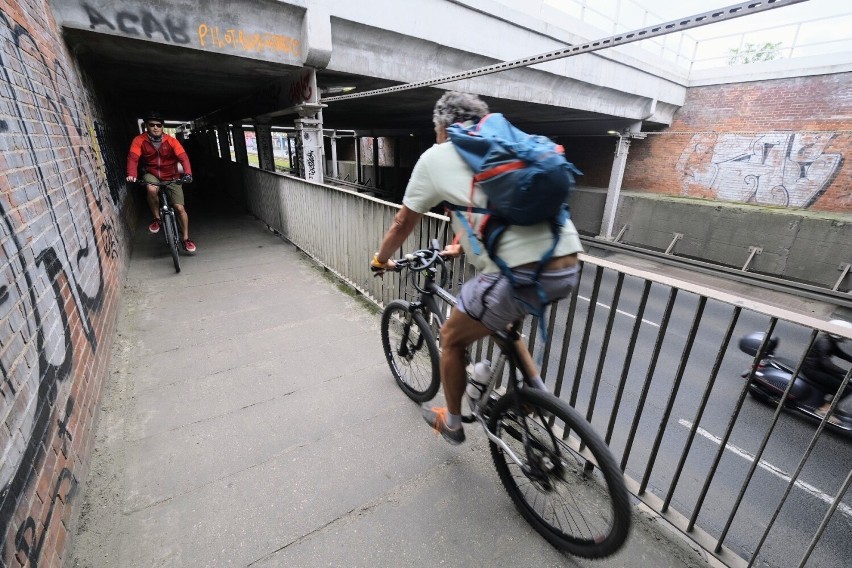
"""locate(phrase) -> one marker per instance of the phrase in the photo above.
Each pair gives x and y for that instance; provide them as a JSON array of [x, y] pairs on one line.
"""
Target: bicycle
[[558, 471], [171, 227]]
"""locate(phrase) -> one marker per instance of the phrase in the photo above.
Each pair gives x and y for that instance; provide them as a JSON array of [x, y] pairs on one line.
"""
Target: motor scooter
[[773, 374]]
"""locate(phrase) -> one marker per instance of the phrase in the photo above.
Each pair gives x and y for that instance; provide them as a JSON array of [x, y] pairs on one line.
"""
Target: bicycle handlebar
[[162, 183], [424, 260]]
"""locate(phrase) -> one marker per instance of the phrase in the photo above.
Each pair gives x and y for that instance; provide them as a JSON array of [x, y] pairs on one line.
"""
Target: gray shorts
[[491, 300]]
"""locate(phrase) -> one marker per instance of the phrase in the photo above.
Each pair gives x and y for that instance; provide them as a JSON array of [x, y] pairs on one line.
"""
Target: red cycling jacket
[[161, 162]]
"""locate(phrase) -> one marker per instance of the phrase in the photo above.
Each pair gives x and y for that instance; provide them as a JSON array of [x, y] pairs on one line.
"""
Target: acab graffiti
[[168, 27], [788, 169], [52, 282]]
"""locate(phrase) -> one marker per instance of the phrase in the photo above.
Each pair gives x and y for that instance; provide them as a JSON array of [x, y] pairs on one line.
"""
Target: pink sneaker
[[154, 227], [188, 246]]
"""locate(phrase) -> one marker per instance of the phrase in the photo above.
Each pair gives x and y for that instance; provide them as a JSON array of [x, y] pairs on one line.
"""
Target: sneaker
[[436, 417], [188, 246], [154, 227]]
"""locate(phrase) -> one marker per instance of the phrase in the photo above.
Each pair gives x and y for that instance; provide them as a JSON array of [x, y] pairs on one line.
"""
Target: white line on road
[[622, 312], [845, 509]]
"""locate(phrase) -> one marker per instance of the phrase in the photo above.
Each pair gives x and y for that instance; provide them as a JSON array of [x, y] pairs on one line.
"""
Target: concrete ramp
[[250, 419]]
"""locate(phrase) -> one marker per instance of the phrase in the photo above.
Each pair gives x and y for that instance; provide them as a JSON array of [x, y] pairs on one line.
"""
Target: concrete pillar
[[615, 178], [223, 133], [309, 131], [334, 171], [358, 176], [239, 138], [397, 165], [212, 144], [263, 133], [375, 162]]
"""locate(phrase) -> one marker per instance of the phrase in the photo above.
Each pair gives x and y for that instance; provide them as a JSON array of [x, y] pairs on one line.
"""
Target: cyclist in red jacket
[[159, 155]]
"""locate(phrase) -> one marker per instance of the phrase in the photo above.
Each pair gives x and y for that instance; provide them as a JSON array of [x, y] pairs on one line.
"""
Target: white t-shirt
[[442, 175]]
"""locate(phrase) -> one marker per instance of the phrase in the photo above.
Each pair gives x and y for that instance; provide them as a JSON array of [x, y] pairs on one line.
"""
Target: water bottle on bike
[[477, 382]]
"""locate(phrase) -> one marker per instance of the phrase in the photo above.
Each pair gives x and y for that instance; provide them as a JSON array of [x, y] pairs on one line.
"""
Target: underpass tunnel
[[210, 96]]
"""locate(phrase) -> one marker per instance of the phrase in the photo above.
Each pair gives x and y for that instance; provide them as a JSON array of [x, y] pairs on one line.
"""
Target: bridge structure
[[345, 91], [77, 76]]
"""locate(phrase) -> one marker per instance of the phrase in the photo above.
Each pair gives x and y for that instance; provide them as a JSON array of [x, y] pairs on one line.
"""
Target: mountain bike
[[168, 219], [558, 471]]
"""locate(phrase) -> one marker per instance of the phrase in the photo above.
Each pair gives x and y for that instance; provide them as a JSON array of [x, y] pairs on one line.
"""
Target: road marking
[[821, 495], [622, 312]]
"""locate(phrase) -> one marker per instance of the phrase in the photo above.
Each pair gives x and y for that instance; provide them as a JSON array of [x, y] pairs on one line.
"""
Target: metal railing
[[647, 359]]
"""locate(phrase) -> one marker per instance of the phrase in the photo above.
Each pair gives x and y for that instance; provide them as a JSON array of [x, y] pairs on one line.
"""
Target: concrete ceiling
[[185, 84]]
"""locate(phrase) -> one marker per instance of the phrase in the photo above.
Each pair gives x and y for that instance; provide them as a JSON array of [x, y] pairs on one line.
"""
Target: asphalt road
[[643, 411]]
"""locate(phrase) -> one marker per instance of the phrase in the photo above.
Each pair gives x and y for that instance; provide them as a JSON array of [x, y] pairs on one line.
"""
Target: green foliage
[[753, 53]]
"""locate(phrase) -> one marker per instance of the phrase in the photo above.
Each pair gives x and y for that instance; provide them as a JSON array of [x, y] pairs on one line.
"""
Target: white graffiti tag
[[788, 169]]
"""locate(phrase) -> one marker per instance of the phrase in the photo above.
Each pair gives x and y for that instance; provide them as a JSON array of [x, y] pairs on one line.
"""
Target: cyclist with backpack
[[526, 266], [159, 154]]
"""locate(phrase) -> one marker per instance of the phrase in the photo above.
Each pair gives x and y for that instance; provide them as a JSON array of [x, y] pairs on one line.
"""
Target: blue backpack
[[526, 179]]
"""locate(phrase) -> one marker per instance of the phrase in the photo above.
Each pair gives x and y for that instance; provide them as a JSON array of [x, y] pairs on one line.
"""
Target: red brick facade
[[63, 247], [782, 142]]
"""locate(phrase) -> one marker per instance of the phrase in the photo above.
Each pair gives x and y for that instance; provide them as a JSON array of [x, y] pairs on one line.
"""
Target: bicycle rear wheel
[[579, 505], [411, 351], [172, 238]]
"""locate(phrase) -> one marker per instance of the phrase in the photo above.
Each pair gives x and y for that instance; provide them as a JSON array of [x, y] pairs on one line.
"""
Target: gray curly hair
[[458, 107]]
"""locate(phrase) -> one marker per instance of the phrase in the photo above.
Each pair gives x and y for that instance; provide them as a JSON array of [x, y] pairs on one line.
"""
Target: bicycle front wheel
[[575, 499], [411, 351], [172, 238]]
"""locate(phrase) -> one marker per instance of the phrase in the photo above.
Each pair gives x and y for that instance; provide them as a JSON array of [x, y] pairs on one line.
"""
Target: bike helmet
[[840, 323], [152, 115]]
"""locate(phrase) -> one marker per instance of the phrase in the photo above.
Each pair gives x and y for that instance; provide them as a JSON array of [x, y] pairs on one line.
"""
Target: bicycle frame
[[505, 340], [168, 216]]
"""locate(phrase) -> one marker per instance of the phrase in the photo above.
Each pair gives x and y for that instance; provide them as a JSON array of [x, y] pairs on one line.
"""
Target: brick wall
[[782, 142], [63, 238]]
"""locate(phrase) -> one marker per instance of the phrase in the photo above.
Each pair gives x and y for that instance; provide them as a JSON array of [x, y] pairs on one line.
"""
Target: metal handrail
[[800, 289], [339, 228]]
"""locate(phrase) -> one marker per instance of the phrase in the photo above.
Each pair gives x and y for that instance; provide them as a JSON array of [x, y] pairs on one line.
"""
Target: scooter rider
[[819, 368]]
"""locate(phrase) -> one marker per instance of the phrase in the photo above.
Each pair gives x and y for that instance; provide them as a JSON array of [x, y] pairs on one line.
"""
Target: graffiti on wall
[[788, 169], [169, 28], [175, 29], [232, 39], [51, 284]]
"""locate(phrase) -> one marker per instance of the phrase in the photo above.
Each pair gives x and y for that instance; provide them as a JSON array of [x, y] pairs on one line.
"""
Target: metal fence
[[649, 360]]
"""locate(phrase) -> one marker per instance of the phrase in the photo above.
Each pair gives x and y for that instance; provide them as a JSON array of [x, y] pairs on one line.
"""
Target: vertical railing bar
[[723, 348], [763, 444], [566, 337], [730, 428], [827, 518], [628, 358], [795, 476], [590, 318], [664, 324], [664, 420], [613, 310], [533, 333], [551, 325]]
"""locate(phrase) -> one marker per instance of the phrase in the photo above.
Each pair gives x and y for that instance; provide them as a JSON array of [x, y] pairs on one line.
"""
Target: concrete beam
[[316, 34], [278, 98], [268, 31]]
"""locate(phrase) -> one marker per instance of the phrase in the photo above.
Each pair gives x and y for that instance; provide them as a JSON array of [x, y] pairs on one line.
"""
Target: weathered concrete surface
[[402, 42], [798, 245], [250, 419]]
